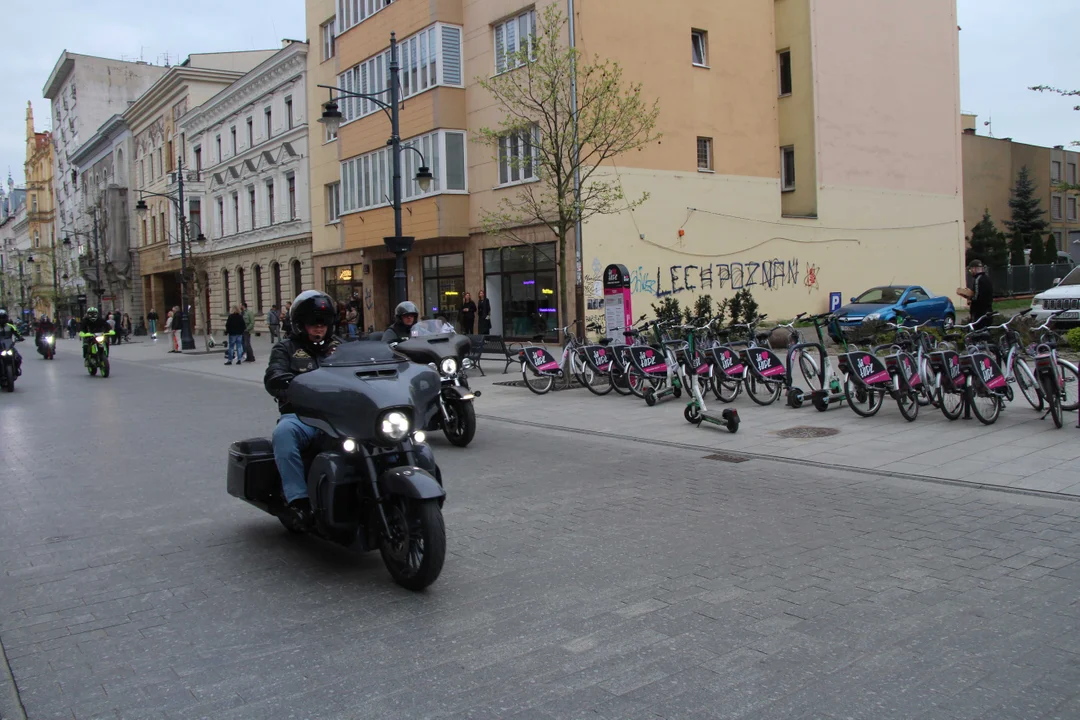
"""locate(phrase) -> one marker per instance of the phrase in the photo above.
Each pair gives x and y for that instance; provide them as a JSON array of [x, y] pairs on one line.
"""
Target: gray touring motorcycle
[[371, 482]]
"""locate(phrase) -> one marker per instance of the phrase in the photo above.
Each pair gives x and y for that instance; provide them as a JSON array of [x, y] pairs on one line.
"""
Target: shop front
[[444, 287], [344, 283], [521, 284]]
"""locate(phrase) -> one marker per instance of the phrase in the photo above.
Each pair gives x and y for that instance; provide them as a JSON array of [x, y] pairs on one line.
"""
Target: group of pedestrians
[[471, 311], [239, 326]]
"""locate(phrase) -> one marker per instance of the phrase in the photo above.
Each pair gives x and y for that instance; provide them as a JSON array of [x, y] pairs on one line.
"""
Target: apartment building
[[246, 150], [991, 166], [808, 147]]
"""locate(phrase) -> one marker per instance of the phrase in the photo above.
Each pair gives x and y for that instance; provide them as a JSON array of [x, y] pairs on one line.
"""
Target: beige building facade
[[806, 149], [991, 166]]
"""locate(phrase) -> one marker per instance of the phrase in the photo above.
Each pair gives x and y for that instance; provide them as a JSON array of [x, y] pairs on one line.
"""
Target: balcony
[[194, 181]]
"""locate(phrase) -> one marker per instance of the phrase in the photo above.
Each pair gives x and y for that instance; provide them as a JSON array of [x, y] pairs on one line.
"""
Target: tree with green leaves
[[1016, 249], [988, 244], [1027, 213], [1050, 251], [1068, 94], [544, 135], [1036, 256]]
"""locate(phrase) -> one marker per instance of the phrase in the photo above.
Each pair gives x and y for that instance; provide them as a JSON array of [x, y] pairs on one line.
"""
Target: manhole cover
[[727, 457], [806, 433]]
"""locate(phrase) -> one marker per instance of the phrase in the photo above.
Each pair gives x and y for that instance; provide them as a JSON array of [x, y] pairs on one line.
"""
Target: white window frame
[[353, 12], [370, 77], [787, 184], [699, 42], [516, 142], [333, 203], [709, 165], [506, 37], [366, 179], [328, 34]]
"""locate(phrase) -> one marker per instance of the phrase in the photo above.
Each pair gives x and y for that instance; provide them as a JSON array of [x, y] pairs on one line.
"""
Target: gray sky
[[1005, 46]]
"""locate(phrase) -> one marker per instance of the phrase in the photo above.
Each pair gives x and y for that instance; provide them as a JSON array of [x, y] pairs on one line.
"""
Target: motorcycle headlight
[[467, 363], [349, 445], [5, 353], [449, 366], [100, 338], [394, 426], [49, 339], [419, 437]]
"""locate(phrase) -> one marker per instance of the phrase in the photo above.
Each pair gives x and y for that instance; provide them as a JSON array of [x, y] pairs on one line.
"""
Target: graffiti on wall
[[769, 274], [369, 301]]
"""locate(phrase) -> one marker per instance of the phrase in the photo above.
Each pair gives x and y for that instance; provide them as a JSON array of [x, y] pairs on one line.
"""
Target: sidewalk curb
[[1046, 494], [11, 706]]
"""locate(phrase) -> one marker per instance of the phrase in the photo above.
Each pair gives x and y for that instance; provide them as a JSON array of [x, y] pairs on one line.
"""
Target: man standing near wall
[[981, 295], [249, 327]]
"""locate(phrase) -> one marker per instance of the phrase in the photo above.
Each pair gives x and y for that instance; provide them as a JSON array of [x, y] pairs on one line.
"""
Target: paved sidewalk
[[1021, 451]]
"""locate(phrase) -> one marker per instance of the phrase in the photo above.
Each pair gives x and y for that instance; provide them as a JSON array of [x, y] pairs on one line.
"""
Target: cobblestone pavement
[[588, 577]]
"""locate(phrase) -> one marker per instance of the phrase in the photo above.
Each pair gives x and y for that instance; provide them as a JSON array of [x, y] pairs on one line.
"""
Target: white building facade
[[246, 156]]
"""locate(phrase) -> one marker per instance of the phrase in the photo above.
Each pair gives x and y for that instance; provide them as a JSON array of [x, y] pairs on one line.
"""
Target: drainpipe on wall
[[579, 289]]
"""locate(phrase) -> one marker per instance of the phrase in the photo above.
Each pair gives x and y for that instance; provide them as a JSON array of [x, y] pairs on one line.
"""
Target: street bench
[[492, 347]]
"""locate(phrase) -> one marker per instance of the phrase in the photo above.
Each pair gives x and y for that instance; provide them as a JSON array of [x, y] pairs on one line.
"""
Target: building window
[[275, 279], [288, 113], [444, 285], [784, 60], [704, 154], [787, 168], [152, 162], [520, 283], [518, 156], [241, 285], [1058, 237], [232, 132], [512, 38], [1055, 207], [1070, 177], [236, 212], [1071, 206], [430, 57], [270, 201], [333, 202], [326, 32], [699, 48], [221, 217], [256, 271], [198, 162], [366, 179], [169, 160], [251, 206], [269, 115], [297, 278], [354, 12], [251, 133], [33, 202], [225, 291], [153, 229], [217, 141], [37, 239], [160, 164], [343, 284], [1055, 171], [290, 184], [164, 228], [195, 217], [145, 235]]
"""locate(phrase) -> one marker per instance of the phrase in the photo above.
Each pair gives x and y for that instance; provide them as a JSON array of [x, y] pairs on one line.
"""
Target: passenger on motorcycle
[[7, 330], [406, 314], [92, 325]]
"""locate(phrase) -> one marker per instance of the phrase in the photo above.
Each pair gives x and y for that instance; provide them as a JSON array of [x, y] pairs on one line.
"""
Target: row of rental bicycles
[[973, 369]]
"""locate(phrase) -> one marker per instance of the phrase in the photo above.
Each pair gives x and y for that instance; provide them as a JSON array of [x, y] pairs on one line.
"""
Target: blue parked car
[[881, 303]]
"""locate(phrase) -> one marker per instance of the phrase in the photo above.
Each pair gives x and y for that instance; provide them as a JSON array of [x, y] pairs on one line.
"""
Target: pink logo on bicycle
[[865, 360]]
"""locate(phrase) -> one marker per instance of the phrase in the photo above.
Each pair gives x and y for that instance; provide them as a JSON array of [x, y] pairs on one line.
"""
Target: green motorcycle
[[97, 357]]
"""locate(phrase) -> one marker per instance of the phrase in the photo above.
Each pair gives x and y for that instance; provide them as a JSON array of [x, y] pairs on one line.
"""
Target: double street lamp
[[399, 244], [187, 342]]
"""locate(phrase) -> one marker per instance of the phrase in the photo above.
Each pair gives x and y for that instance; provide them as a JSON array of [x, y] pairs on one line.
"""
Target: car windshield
[[1072, 278], [881, 295], [432, 327]]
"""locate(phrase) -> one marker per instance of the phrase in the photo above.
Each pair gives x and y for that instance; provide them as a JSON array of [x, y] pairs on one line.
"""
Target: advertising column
[[617, 311]]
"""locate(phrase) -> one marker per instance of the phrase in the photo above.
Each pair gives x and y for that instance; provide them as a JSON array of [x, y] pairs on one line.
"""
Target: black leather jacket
[[8, 330], [93, 326], [289, 358], [397, 333]]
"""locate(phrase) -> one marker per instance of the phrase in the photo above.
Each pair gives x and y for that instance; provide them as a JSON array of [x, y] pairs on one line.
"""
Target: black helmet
[[310, 307], [406, 308], [3, 316], [91, 313]]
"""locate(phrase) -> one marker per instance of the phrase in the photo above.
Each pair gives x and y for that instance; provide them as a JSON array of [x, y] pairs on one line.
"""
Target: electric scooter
[[692, 370]]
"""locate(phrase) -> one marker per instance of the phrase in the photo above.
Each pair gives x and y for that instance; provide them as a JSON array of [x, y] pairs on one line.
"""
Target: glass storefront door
[[520, 282], [444, 286]]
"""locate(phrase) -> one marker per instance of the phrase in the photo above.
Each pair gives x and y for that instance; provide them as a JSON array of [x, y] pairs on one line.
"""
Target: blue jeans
[[153, 327], [236, 344], [352, 330], [291, 437]]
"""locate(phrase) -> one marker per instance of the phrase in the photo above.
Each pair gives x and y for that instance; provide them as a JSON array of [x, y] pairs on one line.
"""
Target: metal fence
[[1014, 280]]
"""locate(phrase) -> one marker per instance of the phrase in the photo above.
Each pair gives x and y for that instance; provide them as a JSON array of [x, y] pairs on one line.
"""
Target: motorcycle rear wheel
[[415, 556]]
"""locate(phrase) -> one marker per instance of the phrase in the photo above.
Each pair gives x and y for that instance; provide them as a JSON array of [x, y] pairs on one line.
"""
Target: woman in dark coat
[[484, 312]]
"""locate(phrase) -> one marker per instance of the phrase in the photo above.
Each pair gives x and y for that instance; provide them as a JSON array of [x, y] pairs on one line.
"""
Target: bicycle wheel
[[986, 407], [578, 363], [598, 383], [929, 388], [1070, 377], [618, 379], [865, 403], [726, 390], [809, 368], [950, 403], [908, 402], [763, 392], [1054, 400], [1029, 386], [637, 383], [539, 384]]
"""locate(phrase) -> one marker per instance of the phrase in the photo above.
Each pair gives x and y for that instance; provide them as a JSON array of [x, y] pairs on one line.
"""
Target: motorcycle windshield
[[348, 394], [433, 348], [432, 327]]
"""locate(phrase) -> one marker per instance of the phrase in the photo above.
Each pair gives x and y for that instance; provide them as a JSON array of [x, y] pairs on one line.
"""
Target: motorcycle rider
[[7, 330], [44, 327], [406, 314], [92, 325]]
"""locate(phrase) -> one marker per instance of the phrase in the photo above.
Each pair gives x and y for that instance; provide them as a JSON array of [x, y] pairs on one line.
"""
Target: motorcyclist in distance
[[92, 324], [406, 314], [7, 330], [44, 327]]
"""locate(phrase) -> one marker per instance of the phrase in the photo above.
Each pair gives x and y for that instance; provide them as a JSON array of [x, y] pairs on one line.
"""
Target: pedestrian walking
[[126, 322], [249, 327], [468, 314], [980, 296], [235, 329], [286, 320], [152, 320], [114, 328], [351, 318], [484, 312], [72, 325], [273, 323]]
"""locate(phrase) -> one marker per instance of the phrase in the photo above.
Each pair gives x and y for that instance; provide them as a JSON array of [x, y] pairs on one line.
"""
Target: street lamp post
[[187, 342], [399, 244]]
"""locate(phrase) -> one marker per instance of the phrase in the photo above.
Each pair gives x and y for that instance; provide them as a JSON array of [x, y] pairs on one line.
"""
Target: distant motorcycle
[[98, 357], [7, 364], [46, 346], [435, 344]]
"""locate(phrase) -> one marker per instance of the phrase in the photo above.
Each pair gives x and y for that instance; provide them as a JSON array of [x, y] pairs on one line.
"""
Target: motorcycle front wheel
[[105, 367], [462, 426], [416, 550]]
